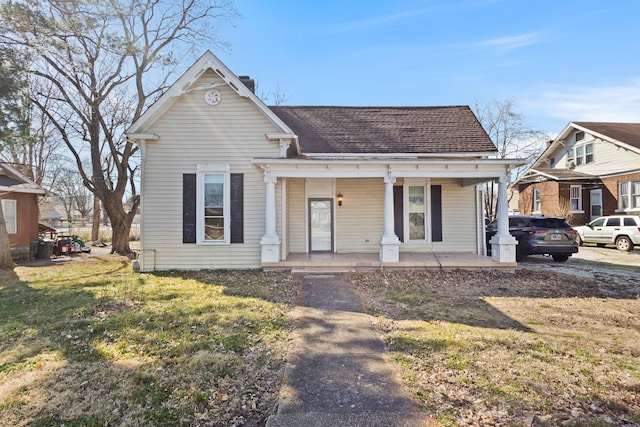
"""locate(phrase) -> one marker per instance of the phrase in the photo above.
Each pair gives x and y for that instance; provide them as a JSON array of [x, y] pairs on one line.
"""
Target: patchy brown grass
[[88, 343], [534, 348]]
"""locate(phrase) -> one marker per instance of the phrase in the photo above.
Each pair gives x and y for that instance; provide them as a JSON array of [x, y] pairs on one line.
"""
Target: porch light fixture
[[339, 198]]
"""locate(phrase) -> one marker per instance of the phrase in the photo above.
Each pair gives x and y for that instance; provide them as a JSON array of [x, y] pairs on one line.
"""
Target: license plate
[[556, 237]]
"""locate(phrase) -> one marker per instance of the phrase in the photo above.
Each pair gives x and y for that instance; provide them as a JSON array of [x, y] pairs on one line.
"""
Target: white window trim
[[583, 157], [426, 184], [539, 211], [628, 196], [201, 171], [14, 223], [580, 209]]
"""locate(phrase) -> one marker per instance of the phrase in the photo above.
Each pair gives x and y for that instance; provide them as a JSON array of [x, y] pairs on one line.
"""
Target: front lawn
[[497, 349], [89, 343]]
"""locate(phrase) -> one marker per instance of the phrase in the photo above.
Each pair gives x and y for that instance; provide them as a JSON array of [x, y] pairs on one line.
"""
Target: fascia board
[[18, 189]]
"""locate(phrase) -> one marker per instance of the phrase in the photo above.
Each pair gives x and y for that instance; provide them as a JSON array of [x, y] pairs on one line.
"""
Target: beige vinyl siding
[[360, 219], [192, 132], [458, 217], [295, 215], [458, 220]]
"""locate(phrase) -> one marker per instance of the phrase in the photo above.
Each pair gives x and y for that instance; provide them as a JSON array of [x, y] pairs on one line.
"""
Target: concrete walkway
[[338, 374]]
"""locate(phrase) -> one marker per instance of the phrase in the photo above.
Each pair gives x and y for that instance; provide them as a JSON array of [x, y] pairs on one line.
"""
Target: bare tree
[[107, 60], [73, 195], [513, 138], [11, 128], [276, 98]]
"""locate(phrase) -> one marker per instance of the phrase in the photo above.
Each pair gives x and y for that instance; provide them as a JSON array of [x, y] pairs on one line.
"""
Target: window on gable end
[[588, 157], [579, 136], [570, 156], [579, 155]]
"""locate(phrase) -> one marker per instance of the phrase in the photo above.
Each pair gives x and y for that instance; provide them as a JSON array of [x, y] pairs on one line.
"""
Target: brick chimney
[[248, 82]]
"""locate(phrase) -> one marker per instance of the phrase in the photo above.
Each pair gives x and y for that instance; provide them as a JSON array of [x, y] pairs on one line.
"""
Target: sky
[[559, 61]]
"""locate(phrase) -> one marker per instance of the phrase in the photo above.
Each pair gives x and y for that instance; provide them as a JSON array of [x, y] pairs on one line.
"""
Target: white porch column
[[503, 244], [270, 241], [389, 243]]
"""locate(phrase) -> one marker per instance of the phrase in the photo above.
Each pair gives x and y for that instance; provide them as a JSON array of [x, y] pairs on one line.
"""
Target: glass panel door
[[321, 225]]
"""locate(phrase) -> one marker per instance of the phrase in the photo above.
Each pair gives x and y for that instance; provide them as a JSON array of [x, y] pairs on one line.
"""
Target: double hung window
[[583, 154], [576, 198], [629, 195], [537, 201]]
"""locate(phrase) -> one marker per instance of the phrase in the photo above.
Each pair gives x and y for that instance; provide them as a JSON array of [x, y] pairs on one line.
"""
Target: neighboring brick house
[[19, 196], [591, 169]]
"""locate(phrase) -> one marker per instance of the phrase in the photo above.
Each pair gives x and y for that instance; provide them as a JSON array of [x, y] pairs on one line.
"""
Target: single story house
[[590, 169], [228, 182], [19, 197]]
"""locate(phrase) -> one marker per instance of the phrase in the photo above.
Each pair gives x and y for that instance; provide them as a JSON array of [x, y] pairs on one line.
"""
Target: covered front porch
[[354, 215], [355, 262]]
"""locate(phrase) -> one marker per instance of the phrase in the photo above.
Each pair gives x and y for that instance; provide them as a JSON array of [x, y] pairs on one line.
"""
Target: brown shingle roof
[[386, 130], [629, 133]]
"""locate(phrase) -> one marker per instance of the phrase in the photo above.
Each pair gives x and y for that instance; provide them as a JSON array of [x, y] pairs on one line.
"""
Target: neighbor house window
[[570, 156], [10, 210], [417, 212], [537, 205], [579, 136], [212, 205], [579, 155], [584, 154], [629, 195], [588, 156], [576, 198]]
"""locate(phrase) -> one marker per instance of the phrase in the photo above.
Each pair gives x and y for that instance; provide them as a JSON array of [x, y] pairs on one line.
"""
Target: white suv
[[621, 230]]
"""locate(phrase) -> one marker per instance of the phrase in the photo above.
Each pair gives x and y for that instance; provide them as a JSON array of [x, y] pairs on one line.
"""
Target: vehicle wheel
[[560, 257], [623, 243]]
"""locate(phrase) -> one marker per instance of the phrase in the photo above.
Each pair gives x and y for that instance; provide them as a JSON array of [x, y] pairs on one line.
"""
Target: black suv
[[539, 235]]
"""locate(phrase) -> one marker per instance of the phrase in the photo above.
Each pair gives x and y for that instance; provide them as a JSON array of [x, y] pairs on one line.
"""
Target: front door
[[320, 225]]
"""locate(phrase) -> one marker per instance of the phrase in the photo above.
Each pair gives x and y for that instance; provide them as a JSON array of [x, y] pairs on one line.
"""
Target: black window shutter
[[398, 212], [237, 208], [189, 208], [436, 213]]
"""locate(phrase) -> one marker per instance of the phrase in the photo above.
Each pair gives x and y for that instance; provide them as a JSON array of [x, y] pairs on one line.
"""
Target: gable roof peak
[[185, 83]]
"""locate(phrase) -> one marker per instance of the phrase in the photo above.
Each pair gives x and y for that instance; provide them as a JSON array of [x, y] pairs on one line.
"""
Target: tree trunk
[[120, 225], [120, 237], [95, 225], [6, 261]]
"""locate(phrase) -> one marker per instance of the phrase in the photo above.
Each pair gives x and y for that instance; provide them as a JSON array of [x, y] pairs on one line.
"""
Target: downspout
[[141, 140]]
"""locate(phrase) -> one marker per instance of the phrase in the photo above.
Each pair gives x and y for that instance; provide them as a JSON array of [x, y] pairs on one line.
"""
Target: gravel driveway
[[607, 264]]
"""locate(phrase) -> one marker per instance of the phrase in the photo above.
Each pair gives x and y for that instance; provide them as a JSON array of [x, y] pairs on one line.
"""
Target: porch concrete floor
[[351, 262]]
